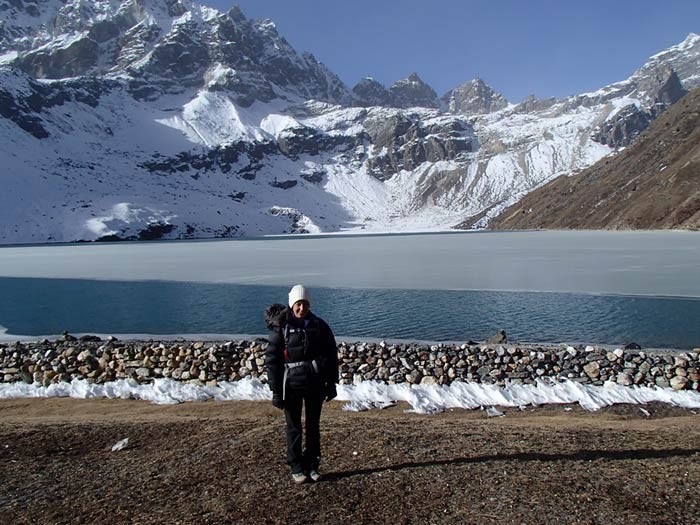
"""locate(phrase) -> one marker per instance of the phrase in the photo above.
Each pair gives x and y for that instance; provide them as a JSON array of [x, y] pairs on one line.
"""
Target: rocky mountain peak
[[661, 87], [369, 92], [473, 98], [683, 58], [413, 92], [162, 45]]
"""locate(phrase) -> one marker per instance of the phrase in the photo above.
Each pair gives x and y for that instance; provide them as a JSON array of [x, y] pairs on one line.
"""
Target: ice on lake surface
[[598, 262]]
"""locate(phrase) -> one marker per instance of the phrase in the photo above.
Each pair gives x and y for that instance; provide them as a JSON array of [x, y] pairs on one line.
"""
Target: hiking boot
[[314, 475], [299, 477]]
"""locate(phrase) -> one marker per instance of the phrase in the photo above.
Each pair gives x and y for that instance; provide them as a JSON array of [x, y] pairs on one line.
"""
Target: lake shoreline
[[6, 338]]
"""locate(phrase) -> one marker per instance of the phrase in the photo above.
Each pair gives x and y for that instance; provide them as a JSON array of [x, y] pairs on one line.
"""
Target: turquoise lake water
[[50, 306]]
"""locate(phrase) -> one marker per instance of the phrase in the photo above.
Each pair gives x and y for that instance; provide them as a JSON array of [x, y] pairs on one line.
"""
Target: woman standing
[[302, 369]]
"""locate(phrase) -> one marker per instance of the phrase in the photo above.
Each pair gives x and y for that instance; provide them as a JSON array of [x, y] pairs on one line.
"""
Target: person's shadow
[[581, 455]]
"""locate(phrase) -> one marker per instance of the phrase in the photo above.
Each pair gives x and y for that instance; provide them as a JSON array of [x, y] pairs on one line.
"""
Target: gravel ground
[[223, 462]]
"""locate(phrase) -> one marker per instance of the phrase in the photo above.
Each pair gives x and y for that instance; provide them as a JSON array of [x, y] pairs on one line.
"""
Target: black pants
[[312, 401]]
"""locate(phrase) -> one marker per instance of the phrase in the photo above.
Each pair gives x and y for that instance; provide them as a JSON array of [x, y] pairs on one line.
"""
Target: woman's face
[[300, 309]]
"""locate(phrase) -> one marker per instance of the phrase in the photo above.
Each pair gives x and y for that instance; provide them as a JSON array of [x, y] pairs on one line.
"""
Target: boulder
[[679, 382], [498, 339]]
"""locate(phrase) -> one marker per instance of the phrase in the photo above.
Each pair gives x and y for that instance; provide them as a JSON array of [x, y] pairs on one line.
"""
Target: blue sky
[[544, 47]]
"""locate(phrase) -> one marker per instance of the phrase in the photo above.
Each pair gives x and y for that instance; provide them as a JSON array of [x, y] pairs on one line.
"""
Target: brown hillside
[[653, 184]]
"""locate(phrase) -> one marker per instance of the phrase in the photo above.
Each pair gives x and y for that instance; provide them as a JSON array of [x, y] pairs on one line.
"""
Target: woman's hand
[[330, 391]]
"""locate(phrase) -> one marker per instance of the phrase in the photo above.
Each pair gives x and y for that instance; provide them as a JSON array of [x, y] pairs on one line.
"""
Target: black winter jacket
[[309, 341]]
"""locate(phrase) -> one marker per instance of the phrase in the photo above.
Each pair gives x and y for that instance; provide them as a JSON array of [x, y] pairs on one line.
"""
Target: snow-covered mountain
[[165, 119]]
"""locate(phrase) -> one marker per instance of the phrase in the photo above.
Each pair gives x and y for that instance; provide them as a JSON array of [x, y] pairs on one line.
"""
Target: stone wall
[[208, 363]]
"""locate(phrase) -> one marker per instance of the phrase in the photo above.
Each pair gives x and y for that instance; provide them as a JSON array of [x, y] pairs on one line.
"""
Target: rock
[[483, 371], [639, 378], [644, 367], [474, 98], [632, 346], [679, 382], [89, 339], [65, 336], [498, 339], [592, 369], [84, 356], [661, 382], [120, 445], [412, 92], [681, 362], [624, 379], [414, 377]]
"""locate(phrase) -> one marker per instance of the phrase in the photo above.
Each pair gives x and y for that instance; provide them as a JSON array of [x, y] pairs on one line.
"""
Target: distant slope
[[653, 184]]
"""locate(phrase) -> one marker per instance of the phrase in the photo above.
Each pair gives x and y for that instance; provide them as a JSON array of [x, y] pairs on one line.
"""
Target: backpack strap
[[285, 335]]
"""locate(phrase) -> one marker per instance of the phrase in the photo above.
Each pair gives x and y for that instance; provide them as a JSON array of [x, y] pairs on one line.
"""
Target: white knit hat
[[298, 293]]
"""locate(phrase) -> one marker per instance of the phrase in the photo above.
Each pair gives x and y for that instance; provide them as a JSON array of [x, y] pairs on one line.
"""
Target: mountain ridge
[[188, 123], [653, 184]]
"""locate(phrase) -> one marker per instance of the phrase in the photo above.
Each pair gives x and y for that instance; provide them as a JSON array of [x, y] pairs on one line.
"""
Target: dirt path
[[223, 462]]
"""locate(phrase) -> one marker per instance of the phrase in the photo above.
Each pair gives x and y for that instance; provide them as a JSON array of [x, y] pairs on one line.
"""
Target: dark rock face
[[20, 112], [75, 60], [406, 143], [664, 89], [314, 176], [474, 98], [24, 106], [297, 141], [155, 231], [532, 104], [295, 218], [413, 92], [152, 232], [223, 158], [183, 55], [620, 131], [283, 184], [369, 92]]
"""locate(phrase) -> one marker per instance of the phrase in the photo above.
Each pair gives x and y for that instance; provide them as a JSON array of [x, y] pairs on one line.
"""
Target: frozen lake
[[628, 263], [598, 287]]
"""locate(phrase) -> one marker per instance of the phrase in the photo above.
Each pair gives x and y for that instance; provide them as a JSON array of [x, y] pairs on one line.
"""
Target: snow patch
[[276, 124], [367, 395], [8, 57], [124, 216]]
